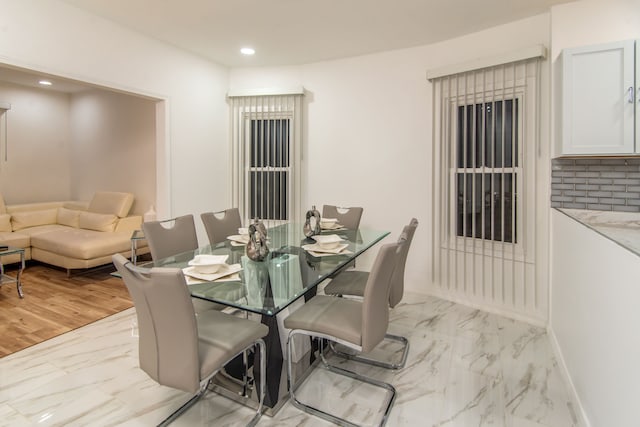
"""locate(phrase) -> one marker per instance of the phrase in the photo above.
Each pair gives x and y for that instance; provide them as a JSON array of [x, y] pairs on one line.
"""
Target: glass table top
[[137, 235], [287, 273], [9, 250]]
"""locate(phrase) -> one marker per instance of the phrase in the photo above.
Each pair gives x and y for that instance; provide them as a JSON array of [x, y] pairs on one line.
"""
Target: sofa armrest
[[129, 223]]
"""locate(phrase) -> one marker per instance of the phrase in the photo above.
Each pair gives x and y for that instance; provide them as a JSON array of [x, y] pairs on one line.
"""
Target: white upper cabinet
[[599, 99]]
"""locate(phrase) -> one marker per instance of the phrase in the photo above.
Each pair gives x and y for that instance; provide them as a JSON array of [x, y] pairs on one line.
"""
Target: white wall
[[67, 146], [37, 165], [594, 283], [368, 129], [594, 21], [113, 146], [54, 37]]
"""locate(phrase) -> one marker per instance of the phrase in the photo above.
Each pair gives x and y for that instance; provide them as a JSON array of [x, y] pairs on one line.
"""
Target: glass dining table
[[273, 287]]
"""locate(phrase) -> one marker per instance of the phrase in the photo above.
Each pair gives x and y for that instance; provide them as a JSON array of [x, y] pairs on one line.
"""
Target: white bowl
[[328, 241], [208, 264], [328, 222]]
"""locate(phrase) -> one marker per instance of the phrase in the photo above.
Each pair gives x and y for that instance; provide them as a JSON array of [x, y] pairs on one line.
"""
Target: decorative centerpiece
[[312, 223], [257, 248]]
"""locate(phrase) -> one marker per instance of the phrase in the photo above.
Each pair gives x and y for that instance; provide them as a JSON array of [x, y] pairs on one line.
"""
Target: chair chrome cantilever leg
[[263, 379], [374, 362], [293, 386], [188, 404], [203, 390]]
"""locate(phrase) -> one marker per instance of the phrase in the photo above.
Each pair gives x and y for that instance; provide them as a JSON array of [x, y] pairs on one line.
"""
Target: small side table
[[135, 238], [4, 278]]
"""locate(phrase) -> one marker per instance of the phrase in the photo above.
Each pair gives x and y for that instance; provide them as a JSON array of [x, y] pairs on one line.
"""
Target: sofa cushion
[[97, 222], [39, 229], [17, 240], [20, 220], [109, 202], [5, 222], [79, 243], [3, 208], [35, 206], [76, 205], [68, 217]]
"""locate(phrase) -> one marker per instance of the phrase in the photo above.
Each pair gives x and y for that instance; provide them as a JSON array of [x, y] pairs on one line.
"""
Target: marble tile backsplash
[[597, 184]]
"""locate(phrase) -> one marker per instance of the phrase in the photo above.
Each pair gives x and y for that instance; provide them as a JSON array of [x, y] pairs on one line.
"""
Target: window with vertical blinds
[[487, 169], [266, 140], [269, 168], [485, 144]]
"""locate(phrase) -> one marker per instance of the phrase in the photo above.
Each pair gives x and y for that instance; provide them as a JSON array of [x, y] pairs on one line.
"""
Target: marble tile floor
[[465, 368]]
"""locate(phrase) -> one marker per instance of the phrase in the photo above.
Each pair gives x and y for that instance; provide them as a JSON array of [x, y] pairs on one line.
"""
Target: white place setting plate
[[208, 264], [332, 227], [330, 224], [239, 239], [327, 241], [226, 272], [318, 251]]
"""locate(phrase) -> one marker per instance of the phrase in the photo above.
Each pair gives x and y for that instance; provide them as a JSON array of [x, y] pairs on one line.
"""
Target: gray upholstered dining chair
[[347, 217], [218, 228], [352, 283], [359, 325], [177, 348], [173, 236]]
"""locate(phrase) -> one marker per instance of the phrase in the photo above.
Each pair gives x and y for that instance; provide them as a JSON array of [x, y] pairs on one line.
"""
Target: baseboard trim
[[536, 321], [573, 395]]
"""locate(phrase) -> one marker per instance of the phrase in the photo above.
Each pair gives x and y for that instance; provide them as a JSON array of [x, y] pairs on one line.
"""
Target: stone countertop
[[620, 227]]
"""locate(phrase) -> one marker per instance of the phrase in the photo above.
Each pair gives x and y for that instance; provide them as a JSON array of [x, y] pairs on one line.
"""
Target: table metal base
[[233, 389], [5, 278]]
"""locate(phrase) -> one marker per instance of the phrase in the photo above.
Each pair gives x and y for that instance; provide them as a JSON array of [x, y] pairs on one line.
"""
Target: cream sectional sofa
[[71, 235]]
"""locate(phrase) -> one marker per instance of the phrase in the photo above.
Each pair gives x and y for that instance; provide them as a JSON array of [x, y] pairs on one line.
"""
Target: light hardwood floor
[[54, 304]]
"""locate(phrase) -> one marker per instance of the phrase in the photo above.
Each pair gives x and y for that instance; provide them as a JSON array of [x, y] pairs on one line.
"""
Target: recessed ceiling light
[[247, 51], [45, 82]]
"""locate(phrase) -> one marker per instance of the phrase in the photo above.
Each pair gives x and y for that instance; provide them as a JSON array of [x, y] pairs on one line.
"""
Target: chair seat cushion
[[222, 336], [227, 291], [200, 305], [333, 316], [348, 283]]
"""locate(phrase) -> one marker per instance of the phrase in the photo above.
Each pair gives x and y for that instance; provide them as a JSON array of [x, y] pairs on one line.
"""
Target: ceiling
[[291, 32], [31, 78]]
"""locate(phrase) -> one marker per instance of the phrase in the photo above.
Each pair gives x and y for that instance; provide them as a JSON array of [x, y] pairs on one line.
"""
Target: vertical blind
[[485, 136], [266, 133]]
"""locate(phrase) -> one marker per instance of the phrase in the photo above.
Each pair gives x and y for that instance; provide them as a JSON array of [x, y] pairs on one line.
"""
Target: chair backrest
[[171, 236], [347, 217], [168, 332], [397, 281], [375, 302], [219, 228]]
